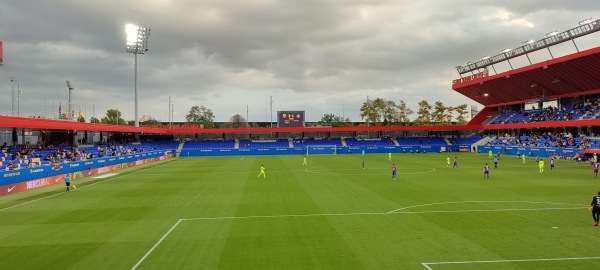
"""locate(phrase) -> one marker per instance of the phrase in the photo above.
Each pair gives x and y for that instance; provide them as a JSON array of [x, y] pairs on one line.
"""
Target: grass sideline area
[[214, 213]]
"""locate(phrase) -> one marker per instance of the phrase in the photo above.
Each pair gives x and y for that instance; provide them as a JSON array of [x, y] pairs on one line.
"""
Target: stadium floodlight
[[553, 33], [485, 94], [586, 21], [531, 41], [485, 57], [137, 43], [506, 50]]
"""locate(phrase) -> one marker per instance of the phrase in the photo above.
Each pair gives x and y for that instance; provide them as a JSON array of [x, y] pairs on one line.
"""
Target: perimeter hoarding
[[288, 119]]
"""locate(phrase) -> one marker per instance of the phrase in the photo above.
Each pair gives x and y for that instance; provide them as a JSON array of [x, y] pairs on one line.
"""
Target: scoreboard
[[290, 119]]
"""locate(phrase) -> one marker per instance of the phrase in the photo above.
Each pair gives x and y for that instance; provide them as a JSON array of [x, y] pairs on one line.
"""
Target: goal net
[[322, 150]]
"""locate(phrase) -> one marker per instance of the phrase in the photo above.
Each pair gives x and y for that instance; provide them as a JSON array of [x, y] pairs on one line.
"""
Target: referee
[[595, 207]]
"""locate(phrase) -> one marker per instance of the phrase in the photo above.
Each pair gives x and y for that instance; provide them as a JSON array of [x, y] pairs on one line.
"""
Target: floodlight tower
[[137, 43], [70, 103]]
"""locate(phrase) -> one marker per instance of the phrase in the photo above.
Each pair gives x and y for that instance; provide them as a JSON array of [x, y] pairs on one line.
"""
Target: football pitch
[[214, 213]]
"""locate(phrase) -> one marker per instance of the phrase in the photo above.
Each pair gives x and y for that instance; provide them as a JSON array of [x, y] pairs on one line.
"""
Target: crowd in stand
[[547, 139], [586, 110], [23, 156]]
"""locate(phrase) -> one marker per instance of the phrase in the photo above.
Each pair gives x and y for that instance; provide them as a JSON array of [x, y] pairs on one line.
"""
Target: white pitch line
[[442, 203], [155, 245], [99, 182], [382, 213], [426, 265]]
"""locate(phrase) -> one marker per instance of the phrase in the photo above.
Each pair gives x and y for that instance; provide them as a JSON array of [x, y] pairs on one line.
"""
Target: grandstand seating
[[464, 141], [549, 114], [281, 143], [216, 144], [354, 142], [305, 143], [421, 141], [549, 140]]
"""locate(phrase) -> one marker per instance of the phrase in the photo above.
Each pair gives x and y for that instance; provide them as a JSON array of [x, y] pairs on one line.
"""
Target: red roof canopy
[[572, 75]]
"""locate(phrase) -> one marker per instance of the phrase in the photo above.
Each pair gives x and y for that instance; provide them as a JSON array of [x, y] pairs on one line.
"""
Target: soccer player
[[390, 156], [486, 171], [552, 164], [541, 165], [455, 163], [304, 163], [262, 172], [595, 207], [523, 157], [448, 161], [595, 170], [68, 182], [595, 158], [363, 163], [495, 163], [537, 160], [490, 154], [393, 171]]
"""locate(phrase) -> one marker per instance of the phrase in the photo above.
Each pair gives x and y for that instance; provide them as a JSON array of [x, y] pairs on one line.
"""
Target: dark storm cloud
[[309, 55]]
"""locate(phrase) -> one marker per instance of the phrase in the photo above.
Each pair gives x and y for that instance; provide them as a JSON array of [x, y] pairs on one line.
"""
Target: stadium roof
[[567, 76]]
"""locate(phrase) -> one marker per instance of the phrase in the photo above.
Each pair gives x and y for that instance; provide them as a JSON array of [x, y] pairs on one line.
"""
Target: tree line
[[377, 112]]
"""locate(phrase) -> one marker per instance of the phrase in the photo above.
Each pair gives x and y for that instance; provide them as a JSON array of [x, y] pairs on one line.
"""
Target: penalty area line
[[428, 265], [155, 245]]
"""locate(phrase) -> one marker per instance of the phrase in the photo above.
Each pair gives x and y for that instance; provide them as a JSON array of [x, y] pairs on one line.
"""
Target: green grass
[[330, 214]]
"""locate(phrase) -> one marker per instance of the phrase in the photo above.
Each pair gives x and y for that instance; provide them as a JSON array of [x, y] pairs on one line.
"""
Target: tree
[[373, 111], [94, 120], [390, 113], [403, 112], [237, 121], [437, 116], [448, 113], [334, 120], [461, 110], [201, 115], [150, 122], [113, 116], [81, 119], [424, 115]]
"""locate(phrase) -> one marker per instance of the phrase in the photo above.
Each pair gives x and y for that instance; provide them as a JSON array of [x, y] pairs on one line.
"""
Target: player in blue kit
[[455, 163], [595, 170], [393, 171], [486, 171], [552, 164]]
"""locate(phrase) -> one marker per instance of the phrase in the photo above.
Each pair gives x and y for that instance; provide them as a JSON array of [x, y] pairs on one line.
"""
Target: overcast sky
[[320, 56]]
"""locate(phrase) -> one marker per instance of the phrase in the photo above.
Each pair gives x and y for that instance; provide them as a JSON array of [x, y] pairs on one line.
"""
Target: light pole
[[137, 43], [18, 99], [12, 89], [70, 106]]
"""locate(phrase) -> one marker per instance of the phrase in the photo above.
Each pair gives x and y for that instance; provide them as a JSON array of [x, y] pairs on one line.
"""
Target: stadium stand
[[215, 144], [421, 141], [280, 143]]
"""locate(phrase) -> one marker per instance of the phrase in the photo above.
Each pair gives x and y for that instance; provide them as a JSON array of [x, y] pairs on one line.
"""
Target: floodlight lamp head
[[485, 94], [531, 41], [485, 57], [586, 21], [506, 50], [553, 33]]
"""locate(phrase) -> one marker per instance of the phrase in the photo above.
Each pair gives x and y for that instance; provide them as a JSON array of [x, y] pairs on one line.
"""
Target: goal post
[[321, 150]]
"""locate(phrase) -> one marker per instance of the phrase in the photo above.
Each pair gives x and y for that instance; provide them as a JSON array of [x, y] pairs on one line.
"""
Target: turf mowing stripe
[[155, 245], [386, 213], [93, 184], [503, 261]]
